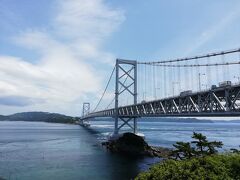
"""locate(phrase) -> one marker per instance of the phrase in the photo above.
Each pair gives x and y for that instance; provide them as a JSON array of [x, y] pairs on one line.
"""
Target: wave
[[102, 126]]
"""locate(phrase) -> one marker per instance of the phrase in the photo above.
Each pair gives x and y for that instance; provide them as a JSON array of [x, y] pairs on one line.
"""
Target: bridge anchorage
[[133, 79]]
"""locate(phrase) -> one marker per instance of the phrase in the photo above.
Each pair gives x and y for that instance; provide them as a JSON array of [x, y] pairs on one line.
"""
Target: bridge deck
[[222, 101]]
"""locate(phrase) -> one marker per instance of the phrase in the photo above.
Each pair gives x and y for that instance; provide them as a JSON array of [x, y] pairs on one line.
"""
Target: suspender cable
[[239, 65], [145, 82], [142, 75], [154, 80], [170, 79], [165, 82], [138, 77], [151, 82], [158, 85], [197, 74], [174, 78], [192, 79], [162, 82], [186, 78], [227, 68], [110, 103], [223, 68], [217, 74], [179, 77], [208, 73], [154, 85], [149, 75]]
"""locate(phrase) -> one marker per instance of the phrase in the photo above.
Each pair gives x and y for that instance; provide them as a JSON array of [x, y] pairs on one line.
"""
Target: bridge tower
[[86, 109], [122, 70]]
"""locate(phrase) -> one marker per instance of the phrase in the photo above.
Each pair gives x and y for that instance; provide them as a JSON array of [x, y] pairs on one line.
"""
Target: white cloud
[[90, 21], [64, 74], [211, 32]]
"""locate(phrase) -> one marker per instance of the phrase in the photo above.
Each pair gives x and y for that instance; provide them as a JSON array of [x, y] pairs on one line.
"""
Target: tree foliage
[[222, 167], [196, 160], [199, 147]]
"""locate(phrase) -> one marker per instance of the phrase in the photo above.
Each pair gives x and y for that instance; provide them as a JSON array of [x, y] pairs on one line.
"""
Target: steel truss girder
[[218, 102]]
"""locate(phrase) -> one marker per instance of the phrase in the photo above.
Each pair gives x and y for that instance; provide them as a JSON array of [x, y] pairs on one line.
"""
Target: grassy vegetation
[[196, 160]]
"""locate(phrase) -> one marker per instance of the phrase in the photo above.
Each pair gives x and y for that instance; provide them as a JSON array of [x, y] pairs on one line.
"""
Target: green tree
[[183, 150], [212, 147], [199, 147], [200, 142], [203, 146]]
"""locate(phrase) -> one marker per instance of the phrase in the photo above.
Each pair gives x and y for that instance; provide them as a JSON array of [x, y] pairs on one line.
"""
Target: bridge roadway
[[222, 101]]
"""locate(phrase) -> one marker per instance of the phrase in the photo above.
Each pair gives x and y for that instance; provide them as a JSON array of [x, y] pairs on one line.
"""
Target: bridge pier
[[135, 125]]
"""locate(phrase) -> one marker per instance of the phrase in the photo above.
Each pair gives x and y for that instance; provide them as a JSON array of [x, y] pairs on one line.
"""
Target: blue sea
[[38, 150]]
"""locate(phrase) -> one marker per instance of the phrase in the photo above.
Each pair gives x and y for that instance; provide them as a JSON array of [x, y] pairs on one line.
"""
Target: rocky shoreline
[[133, 145]]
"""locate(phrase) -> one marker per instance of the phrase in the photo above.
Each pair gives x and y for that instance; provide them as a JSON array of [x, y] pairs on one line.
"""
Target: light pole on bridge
[[199, 80], [238, 78], [173, 84], [205, 85], [157, 89]]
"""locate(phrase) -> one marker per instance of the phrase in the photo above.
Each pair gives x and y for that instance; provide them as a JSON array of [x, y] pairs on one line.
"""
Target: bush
[[222, 167]]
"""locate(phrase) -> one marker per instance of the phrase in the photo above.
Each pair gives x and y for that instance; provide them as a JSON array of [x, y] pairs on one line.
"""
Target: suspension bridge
[[205, 85]]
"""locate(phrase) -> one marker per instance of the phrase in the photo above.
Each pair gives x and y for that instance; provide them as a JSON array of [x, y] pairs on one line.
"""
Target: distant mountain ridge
[[226, 121], [39, 116], [174, 119], [2, 117]]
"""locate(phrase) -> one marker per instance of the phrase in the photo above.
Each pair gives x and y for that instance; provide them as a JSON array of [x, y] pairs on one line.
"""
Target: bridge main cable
[[196, 65], [109, 80], [194, 57]]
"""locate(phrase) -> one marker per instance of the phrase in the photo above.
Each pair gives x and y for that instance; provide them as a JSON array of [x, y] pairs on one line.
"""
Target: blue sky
[[55, 54]]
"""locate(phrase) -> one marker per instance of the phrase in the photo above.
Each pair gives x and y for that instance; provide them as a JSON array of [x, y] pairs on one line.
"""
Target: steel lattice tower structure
[[131, 89], [86, 109]]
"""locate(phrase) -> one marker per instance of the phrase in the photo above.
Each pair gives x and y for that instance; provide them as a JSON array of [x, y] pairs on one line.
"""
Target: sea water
[[38, 150]]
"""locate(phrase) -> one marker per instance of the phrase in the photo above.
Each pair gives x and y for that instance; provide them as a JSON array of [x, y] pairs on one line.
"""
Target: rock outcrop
[[133, 145]]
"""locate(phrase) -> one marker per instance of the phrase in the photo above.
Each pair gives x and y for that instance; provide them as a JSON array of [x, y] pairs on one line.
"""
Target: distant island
[[174, 119], [60, 118], [40, 116]]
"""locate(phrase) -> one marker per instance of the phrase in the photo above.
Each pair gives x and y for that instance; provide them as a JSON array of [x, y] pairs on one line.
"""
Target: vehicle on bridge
[[225, 84], [185, 93], [213, 87]]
